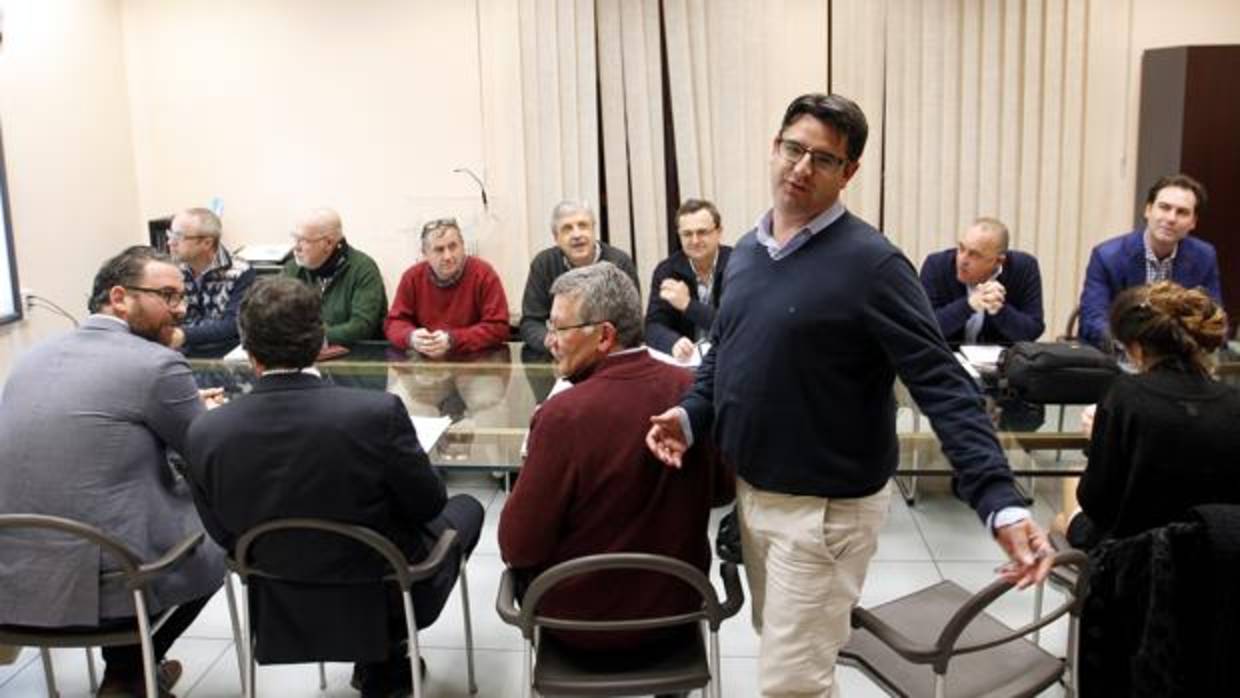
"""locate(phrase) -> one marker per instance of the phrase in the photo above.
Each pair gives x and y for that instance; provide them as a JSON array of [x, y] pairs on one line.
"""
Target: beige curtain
[[984, 115]]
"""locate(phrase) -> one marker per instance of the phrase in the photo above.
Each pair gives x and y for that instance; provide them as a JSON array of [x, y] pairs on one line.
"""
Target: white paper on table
[[982, 354], [430, 429], [265, 253], [237, 353], [694, 360], [968, 366]]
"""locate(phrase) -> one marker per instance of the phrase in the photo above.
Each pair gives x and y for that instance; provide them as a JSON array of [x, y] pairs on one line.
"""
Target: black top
[[798, 385], [545, 268], [665, 325], [1163, 441]]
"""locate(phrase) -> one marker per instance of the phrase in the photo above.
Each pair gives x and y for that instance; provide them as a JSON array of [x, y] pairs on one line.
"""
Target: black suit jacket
[[299, 447], [664, 323], [1020, 319]]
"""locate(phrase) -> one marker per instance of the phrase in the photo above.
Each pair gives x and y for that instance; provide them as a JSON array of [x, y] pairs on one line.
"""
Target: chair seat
[[683, 668], [1018, 668]]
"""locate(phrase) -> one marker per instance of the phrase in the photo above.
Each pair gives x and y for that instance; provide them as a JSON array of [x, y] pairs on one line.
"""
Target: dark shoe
[[398, 683], [166, 676]]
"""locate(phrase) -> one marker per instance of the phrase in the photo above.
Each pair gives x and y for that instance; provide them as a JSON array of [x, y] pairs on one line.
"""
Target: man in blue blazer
[[982, 292], [1162, 250]]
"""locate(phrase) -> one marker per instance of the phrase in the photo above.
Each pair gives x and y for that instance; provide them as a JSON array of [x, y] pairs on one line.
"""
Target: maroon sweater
[[474, 310], [589, 485]]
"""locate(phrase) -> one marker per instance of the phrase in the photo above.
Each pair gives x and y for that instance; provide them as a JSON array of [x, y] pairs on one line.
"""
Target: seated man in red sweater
[[450, 301], [589, 484]]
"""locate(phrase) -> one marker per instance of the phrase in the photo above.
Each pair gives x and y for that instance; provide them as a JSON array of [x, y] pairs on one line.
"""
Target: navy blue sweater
[[798, 388]]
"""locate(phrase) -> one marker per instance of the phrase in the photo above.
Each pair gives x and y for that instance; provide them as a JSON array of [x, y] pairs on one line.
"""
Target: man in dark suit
[[686, 286], [1162, 251], [982, 292], [299, 447]]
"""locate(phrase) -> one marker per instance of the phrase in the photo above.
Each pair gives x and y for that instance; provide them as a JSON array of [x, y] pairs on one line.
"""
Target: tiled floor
[[938, 538]]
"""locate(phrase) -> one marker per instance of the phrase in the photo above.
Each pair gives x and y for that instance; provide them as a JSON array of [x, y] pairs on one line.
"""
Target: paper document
[[236, 354], [693, 361], [430, 429], [265, 253], [968, 366], [982, 354]]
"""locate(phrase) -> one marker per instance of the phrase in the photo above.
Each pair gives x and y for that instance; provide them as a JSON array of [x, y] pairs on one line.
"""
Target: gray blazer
[[85, 422]]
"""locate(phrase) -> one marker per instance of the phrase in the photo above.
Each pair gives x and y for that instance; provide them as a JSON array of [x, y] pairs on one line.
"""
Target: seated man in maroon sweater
[[589, 484], [449, 302]]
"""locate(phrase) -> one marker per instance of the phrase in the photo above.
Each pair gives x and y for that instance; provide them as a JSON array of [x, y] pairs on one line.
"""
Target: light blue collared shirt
[[802, 236]]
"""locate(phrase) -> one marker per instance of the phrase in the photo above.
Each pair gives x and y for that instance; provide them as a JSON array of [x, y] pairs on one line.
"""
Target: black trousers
[[125, 661]]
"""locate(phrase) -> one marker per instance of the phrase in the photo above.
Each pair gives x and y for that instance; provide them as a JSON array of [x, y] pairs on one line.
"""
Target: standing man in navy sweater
[[822, 312]]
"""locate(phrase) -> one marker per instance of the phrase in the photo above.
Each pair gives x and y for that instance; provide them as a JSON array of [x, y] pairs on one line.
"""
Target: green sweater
[[355, 303]]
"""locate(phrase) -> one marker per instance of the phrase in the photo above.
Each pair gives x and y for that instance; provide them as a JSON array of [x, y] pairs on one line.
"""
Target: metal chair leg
[[322, 677], [715, 687], [238, 638], [148, 646], [415, 652], [90, 671], [1038, 593], [469, 629], [48, 675]]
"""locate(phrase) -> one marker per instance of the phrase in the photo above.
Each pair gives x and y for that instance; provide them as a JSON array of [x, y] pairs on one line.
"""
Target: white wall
[[281, 105], [64, 111]]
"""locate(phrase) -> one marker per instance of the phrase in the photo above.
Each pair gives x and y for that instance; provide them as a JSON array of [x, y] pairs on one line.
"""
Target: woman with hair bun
[[1167, 437]]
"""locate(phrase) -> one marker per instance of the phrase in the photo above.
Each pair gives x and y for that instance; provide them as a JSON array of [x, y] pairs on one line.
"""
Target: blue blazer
[[1021, 317], [1119, 263], [665, 325]]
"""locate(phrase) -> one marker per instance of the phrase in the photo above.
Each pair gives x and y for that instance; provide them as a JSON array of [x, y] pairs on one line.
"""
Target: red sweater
[[474, 310], [589, 485]]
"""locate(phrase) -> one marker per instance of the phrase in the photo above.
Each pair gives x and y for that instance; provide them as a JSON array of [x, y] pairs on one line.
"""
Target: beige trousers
[[805, 560]]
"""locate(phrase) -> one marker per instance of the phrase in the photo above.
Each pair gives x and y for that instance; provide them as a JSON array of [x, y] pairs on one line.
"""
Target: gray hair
[[995, 227], [606, 295], [568, 207]]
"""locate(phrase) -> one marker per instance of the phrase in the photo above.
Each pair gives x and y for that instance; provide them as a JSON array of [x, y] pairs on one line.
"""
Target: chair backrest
[[712, 610], [130, 563], [402, 572], [1070, 328], [945, 646]]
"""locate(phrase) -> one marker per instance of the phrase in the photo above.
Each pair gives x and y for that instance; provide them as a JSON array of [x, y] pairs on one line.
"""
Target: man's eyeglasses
[[557, 330], [177, 236], [697, 234], [304, 240], [171, 296], [793, 151]]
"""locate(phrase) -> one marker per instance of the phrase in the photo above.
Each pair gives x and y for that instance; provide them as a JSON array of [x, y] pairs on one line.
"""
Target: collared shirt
[[1157, 269], [308, 370], [973, 326], [598, 254], [108, 316], [794, 243]]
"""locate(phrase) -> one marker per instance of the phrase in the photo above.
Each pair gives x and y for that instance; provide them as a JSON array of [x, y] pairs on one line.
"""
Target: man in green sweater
[[354, 301]]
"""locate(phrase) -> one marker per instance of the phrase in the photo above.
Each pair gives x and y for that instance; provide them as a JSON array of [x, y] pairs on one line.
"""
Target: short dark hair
[[836, 111], [125, 269], [691, 206], [1179, 181], [281, 322]]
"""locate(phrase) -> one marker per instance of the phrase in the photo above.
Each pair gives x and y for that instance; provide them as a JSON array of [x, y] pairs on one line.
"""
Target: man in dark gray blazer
[[86, 421], [297, 446]]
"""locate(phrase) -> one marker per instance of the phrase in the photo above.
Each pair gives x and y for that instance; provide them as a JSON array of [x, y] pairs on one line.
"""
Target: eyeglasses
[[439, 223], [303, 240], [698, 234], [557, 330], [793, 151], [171, 296], [176, 236]]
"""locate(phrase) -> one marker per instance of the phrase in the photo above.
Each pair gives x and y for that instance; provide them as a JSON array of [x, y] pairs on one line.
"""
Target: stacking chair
[[136, 575], [909, 645], [401, 573], [550, 670]]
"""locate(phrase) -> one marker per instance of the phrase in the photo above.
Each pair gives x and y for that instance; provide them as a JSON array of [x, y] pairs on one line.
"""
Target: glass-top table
[[490, 397]]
